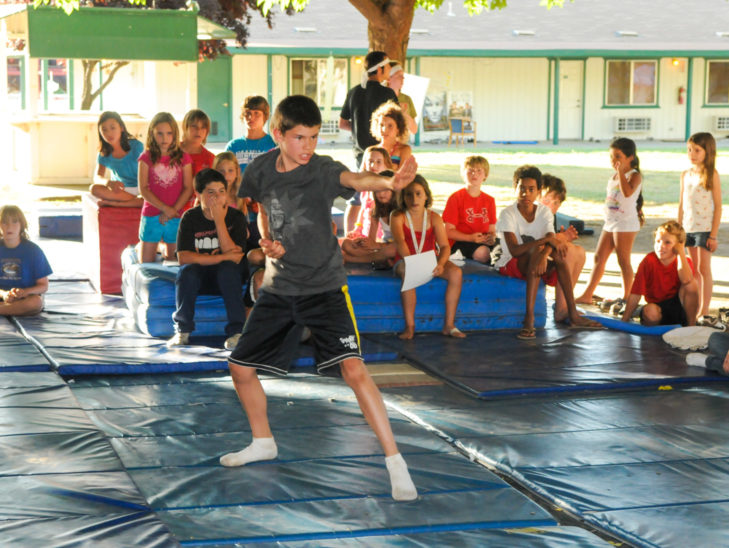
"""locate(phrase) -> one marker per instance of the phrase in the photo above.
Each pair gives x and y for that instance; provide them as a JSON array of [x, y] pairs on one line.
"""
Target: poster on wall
[[460, 104], [435, 113]]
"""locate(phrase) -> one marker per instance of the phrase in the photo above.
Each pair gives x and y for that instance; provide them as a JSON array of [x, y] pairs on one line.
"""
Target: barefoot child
[[24, 269], [531, 251], [699, 212], [305, 281], [165, 182], [115, 179], [470, 215], [416, 229], [666, 278], [554, 193], [623, 219]]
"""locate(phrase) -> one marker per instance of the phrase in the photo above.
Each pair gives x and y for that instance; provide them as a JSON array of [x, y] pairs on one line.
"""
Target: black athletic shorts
[[468, 248], [672, 311], [270, 339]]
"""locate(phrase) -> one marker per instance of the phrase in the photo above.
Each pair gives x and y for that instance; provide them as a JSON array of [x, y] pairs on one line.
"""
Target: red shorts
[[511, 269]]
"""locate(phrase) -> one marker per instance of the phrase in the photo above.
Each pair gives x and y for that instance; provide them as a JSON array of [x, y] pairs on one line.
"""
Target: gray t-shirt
[[299, 207]]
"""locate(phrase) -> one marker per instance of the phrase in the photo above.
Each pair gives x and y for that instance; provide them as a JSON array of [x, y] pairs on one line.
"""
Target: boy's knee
[[241, 374], [651, 314], [189, 270], [354, 371]]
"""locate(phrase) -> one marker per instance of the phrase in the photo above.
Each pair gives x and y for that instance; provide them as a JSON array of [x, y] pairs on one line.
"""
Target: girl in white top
[[623, 218], [699, 211]]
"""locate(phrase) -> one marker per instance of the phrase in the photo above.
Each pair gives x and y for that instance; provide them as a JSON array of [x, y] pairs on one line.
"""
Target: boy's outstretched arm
[[364, 181]]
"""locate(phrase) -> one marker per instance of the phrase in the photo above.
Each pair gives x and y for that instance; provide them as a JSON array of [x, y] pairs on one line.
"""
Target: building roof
[[580, 28]]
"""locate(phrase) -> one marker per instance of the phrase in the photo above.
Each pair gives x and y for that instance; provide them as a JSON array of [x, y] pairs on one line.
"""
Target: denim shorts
[[151, 230], [697, 239]]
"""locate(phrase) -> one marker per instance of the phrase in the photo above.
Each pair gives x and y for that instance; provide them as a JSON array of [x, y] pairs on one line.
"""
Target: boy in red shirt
[[470, 215], [666, 278]]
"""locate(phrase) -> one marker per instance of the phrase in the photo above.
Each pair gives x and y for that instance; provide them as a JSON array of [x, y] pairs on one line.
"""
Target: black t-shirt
[[198, 234], [358, 108]]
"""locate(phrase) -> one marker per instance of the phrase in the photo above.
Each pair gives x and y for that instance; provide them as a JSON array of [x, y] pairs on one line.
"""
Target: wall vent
[[631, 124], [721, 123]]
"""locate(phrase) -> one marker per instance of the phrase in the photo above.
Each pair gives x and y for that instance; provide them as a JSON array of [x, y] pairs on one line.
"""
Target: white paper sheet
[[418, 269]]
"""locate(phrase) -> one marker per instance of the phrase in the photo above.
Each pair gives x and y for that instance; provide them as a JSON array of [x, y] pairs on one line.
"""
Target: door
[[214, 80], [570, 99]]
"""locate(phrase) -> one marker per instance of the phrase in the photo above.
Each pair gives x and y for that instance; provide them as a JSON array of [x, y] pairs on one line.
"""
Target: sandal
[[455, 333], [527, 333]]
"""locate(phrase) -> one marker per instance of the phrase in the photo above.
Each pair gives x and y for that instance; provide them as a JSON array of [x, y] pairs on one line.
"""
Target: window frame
[[336, 107], [656, 84], [706, 85]]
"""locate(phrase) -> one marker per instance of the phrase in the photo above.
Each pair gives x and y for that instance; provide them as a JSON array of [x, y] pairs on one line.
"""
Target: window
[[15, 83], [631, 83], [717, 83], [324, 80]]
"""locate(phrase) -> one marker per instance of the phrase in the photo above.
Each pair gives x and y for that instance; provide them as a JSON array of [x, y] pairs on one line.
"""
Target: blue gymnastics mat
[[650, 468], [61, 483], [16, 353], [327, 487], [81, 332], [495, 363]]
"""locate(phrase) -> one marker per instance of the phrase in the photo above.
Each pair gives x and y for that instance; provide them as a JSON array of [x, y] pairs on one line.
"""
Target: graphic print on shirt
[[206, 241], [167, 176], [611, 201], [11, 269], [472, 215], [282, 228]]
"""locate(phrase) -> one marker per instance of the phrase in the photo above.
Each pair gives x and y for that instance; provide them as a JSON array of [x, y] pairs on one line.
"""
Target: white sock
[[259, 449], [403, 487], [697, 359]]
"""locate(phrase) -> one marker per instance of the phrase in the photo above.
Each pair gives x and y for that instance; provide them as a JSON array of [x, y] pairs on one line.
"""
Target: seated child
[[666, 278], [470, 215], [358, 247], [531, 251], [115, 179], [414, 212], [374, 159], [24, 268], [226, 163], [554, 194], [210, 248]]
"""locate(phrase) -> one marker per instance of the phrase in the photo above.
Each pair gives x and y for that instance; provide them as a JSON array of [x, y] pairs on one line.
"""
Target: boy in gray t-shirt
[[305, 282]]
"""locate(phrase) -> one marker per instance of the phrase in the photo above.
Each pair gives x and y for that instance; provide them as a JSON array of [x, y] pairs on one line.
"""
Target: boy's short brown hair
[[476, 161], [550, 183], [255, 102], [295, 110], [674, 229]]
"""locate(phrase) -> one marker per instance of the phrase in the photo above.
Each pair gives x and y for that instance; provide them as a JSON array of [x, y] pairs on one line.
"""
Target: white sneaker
[[179, 339], [697, 359], [232, 341]]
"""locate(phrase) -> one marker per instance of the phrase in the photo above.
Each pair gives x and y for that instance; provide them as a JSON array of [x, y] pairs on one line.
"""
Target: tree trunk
[[88, 96], [388, 27]]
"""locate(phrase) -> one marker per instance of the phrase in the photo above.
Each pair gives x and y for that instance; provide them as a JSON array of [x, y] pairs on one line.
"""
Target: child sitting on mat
[[554, 193], [666, 278], [531, 251], [470, 215], [24, 268], [305, 284]]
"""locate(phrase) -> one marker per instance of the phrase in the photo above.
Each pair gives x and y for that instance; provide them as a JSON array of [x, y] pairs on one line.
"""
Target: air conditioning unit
[[721, 123], [631, 124], [330, 127]]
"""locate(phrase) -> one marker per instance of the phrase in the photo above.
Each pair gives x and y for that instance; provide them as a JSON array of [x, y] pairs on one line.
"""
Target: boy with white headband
[[361, 102]]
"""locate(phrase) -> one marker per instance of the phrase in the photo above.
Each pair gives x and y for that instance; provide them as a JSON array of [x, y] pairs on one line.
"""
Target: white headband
[[366, 74]]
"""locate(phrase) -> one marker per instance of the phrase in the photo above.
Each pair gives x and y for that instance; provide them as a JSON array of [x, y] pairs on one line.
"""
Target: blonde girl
[[165, 182], [25, 269], [699, 212], [227, 164], [416, 229], [623, 219], [389, 126]]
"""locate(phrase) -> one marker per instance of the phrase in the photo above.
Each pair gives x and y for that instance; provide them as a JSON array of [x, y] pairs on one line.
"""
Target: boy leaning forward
[[305, 282]]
